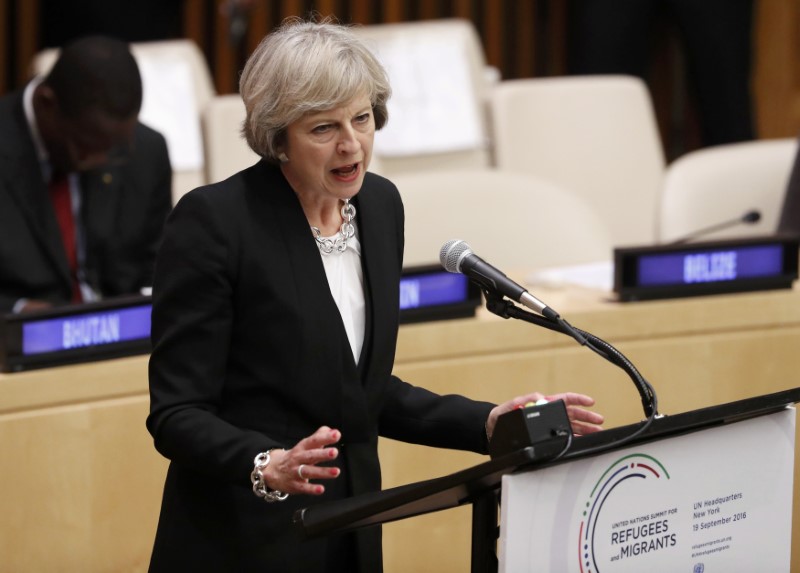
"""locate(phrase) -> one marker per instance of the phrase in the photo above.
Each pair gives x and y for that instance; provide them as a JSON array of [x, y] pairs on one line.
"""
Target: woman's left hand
[[583, 421]]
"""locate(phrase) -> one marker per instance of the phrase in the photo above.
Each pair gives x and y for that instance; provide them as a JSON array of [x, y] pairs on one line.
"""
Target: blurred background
[[521, 39], [608, 162]]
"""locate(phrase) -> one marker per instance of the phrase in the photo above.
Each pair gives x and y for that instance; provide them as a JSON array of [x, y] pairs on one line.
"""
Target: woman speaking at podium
[[275, 318]]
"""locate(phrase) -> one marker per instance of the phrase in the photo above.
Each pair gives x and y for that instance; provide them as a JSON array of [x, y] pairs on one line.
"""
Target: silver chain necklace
[[338, 243]]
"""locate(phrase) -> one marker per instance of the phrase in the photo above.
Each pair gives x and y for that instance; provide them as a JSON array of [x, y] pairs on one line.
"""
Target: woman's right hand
[[289, 471]]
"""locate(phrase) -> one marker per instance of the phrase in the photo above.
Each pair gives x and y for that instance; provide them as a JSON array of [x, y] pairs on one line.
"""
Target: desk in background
[[81, 486]]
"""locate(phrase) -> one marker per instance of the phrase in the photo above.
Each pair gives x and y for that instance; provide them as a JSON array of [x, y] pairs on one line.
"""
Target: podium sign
[[714, 500]]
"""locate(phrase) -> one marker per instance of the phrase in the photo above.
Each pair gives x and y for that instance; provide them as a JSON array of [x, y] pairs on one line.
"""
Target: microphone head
[[451, 253], [753, 216]]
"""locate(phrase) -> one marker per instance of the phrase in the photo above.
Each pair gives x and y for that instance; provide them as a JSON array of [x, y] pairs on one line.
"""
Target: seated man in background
[[84, 187]]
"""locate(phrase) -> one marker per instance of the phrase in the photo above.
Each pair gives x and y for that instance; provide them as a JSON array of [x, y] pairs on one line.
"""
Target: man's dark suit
[[250, 353], [123, 211]]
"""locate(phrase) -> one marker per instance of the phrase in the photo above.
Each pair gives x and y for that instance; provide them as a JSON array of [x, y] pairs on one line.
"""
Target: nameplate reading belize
[[714, 500], [735, 265], [710, 266]]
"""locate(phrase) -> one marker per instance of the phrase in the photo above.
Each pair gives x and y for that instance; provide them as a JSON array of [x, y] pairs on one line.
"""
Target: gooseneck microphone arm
[[748, 218], [507, 309], [457, 257]]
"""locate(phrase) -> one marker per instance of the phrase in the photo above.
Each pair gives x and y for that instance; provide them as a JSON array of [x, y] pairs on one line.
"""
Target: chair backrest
[[225, 147], [512, 220], [718, 184], [595, 135], [789, 222], [177, 87], [437, 113]]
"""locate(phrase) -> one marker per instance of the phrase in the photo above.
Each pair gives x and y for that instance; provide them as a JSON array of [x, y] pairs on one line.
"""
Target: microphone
[[456, 257], [750, 217]]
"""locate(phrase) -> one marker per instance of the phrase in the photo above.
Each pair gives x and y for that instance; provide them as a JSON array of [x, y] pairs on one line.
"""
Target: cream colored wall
[[81, 483]]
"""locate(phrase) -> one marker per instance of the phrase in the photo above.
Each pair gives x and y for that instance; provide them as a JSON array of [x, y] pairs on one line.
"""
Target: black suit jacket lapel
[[307, 272], [100, 201], [32, 198], [381, 281], [100, 191]]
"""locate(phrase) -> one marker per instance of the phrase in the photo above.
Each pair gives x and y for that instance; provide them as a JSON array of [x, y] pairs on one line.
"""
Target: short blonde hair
[[304, 67]]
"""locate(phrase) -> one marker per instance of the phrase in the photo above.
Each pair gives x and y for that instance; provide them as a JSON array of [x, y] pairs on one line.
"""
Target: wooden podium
[[584, 531]]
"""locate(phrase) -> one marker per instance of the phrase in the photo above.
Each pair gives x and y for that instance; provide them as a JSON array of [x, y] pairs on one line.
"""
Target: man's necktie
[[62, 204]]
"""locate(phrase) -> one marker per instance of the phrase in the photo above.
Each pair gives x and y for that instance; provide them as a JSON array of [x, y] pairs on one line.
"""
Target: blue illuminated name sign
[[431, 293], [710, 265], [432, 289], [86, 330]]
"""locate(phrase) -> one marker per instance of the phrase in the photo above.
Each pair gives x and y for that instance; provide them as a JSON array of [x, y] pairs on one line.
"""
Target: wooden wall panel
[[26, 17], [194, 21], [521, 38], [261, 23], [360, 11], [776, 81], [5, 46], [524, 49], [491, 31]]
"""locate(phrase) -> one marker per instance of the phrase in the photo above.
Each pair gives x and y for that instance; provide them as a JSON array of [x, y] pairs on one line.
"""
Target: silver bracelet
[[260, 487]]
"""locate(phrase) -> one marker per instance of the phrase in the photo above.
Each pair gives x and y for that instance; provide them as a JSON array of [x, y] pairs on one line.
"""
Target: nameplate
[[432, 293], [712, 267], [75, 333]]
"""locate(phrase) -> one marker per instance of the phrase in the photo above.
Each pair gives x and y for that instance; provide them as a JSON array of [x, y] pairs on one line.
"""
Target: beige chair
[[440, 81], [717, 184], [177, 87], [595, 135], [513, 221], [225, 148]]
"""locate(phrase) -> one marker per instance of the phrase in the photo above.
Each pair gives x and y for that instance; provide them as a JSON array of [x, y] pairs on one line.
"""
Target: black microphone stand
[[749, 218], [506, 309]]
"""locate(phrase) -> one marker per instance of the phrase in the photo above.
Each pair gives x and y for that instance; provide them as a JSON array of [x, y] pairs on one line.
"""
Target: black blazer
[[123, 212], [250, 353]]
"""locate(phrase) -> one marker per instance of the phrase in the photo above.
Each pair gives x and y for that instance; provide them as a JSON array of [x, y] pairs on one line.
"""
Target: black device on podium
[[480, 484]]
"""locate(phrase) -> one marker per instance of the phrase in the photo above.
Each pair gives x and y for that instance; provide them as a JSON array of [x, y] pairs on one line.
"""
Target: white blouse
[[346, 281]]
